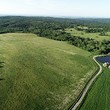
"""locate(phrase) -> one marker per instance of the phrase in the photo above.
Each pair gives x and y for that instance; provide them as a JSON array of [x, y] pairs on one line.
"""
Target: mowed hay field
[[99, 96], [95, 36], [41, 74]]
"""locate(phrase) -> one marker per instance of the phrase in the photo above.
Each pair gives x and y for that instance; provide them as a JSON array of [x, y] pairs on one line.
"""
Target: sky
[[66, 8]]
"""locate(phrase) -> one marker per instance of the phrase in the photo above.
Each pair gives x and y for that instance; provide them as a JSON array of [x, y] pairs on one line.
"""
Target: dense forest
[[54, 28]]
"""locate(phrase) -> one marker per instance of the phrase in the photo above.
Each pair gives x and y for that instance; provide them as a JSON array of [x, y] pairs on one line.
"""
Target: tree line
[[54, 28]]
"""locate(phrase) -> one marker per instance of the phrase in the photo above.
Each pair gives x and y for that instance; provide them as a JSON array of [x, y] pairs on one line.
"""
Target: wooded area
[[54, 28]]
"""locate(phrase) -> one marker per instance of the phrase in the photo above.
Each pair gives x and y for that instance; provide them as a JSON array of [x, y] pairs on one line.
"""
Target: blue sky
[[75, 8]]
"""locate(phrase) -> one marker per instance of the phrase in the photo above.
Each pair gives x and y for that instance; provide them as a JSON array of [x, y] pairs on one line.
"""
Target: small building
[[106, 64], [109, 66]]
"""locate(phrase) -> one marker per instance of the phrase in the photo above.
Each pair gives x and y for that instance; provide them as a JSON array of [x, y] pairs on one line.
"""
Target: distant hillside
[[54, 28]]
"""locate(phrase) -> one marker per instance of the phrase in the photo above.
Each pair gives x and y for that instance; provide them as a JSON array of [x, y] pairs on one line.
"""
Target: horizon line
[[54, 16]]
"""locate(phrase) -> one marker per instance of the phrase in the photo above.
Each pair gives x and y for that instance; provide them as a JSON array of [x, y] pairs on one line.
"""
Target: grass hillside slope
[[41, 74], [99, 96]]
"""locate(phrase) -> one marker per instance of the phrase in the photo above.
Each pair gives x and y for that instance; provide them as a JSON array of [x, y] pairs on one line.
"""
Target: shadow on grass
[[2, 79], [1, 64]]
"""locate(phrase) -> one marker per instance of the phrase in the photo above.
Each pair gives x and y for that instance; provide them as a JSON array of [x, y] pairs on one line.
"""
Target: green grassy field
[[99, 96], [41, 74], [95, 36]]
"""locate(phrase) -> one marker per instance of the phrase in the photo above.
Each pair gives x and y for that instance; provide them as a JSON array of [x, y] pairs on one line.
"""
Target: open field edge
[[81, 97]]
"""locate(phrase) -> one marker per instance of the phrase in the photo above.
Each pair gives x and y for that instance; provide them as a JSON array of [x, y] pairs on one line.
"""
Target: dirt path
[[74, 107]]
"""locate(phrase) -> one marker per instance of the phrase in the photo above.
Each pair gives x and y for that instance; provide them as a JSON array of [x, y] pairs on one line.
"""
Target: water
[[103, 59]]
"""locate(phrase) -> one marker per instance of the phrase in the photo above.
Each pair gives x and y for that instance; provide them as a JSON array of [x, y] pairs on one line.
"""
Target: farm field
[[41, 74], [98, 97], [95, 36]]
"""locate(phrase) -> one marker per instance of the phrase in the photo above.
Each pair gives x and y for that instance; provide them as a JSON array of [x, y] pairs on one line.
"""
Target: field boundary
[[84, 91]]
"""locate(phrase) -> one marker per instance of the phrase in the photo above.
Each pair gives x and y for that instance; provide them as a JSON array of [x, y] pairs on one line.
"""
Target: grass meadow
[[95, 36], [42, 74], [98, 97]]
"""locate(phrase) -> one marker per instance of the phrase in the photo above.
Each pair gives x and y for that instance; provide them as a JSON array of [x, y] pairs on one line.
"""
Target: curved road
[[88, 85]]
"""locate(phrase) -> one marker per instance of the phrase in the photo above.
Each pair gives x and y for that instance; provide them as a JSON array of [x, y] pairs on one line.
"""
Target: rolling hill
[[41, 74]]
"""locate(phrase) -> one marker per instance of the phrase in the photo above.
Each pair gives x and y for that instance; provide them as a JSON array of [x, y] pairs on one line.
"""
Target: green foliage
[[93, 30], [84, 34], [54, 28], [103, 34], [89, 42]]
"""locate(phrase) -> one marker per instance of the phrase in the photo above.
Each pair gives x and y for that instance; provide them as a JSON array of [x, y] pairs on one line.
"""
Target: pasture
[[41, 74], [98, 97], [95, 36]]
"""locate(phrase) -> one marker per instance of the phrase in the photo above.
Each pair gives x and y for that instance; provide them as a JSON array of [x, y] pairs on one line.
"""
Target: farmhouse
[[106, 64]]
